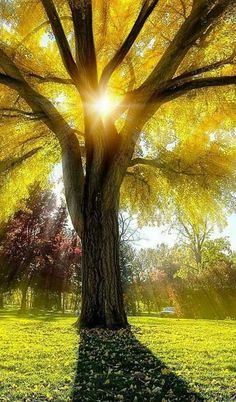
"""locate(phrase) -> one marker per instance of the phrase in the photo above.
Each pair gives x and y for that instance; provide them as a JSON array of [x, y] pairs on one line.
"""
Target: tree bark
[[23, 298], [102, 296]]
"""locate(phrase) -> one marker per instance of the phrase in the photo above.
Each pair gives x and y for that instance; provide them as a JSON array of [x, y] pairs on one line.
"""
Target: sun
[[103, 105]]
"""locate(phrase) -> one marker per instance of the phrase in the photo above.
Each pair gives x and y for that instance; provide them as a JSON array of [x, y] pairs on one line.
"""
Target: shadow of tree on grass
[[115, 366]]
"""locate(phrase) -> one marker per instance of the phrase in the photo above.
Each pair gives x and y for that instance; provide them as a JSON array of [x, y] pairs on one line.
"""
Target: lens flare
[[103, 105]]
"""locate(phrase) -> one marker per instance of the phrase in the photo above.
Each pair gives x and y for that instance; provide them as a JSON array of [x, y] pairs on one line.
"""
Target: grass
[[164, 360]]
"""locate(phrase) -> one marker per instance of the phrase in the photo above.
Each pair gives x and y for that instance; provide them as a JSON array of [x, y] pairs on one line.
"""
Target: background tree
[[114, 99], [194, 235], [58, 263], [217, 251], [19, 247], [168, 277], [128, 236], [39, 252]]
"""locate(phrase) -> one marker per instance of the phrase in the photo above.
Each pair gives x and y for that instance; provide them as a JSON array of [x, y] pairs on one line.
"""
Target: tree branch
[[203, 14], [70, 147], [9, 81], [50, 78], [61, 39], [14, 79], [158, 164], [8, 163], [179, 89], [132, 80], [142, 103], [205, 69], [140, 179], [35, 30], [31, 115], [197, 24], [142, 161], [82, 17], [117, 59]]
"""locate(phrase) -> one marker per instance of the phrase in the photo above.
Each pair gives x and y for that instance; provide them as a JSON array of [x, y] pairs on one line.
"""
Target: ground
[[162, 360]]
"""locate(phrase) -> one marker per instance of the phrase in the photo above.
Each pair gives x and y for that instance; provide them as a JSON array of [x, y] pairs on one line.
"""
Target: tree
[[153, 66], [20, 242], [57, 263], [168, 276], [198, 249], [127, 256], [217, 251], [39, 252], [194, 235]]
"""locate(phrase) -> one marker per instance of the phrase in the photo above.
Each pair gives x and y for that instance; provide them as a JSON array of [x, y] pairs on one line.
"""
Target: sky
[[150, 236]]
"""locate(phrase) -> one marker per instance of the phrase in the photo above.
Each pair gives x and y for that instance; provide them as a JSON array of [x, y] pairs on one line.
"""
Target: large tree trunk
[[93, 208], [102, 296]]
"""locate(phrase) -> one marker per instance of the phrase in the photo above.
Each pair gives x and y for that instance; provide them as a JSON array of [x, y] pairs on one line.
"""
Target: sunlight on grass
[[201, 351], [39, 355], [38, 359]]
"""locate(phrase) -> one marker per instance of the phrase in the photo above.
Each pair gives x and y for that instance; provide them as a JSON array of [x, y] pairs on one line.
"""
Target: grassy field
[[164, 360]]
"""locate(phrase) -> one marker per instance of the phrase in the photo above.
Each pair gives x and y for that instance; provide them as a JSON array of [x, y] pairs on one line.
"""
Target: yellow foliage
[[192, 136]]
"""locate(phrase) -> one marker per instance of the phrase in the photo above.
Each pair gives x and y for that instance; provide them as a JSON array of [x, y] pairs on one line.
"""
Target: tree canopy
[[158, 74]]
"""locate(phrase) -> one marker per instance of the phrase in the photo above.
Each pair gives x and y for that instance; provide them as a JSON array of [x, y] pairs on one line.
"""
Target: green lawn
[[39, 361]]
